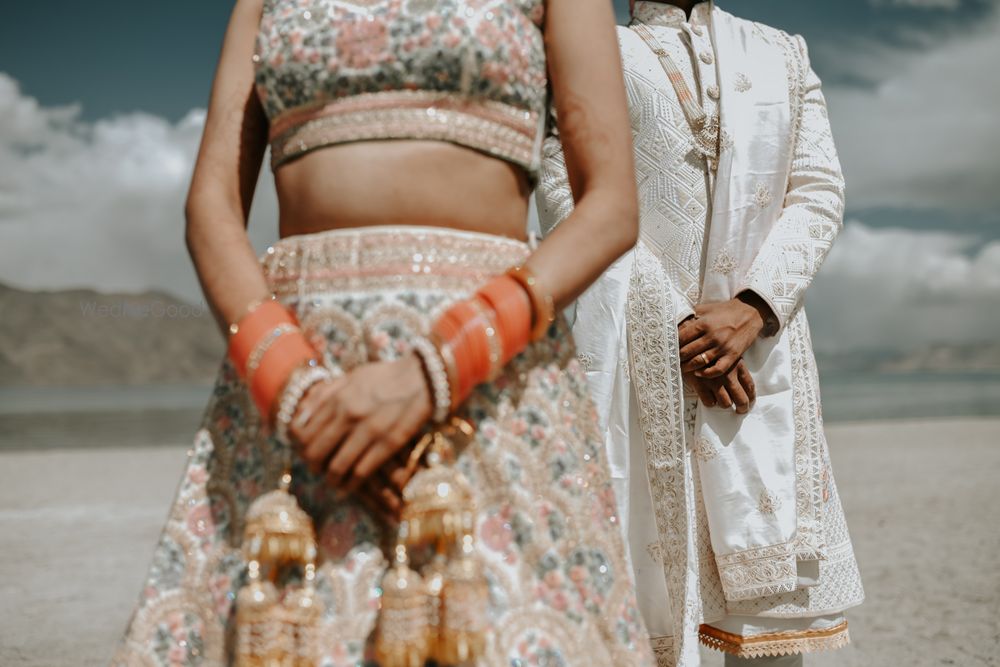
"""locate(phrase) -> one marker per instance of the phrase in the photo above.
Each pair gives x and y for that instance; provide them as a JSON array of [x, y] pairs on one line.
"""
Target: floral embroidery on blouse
[[315, 50], [483, 60]]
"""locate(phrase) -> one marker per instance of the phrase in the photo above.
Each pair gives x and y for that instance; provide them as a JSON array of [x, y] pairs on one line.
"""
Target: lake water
[[856, 397], [47, 418]]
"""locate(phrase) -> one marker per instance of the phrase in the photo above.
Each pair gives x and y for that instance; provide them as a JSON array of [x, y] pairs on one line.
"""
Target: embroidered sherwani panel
[[675, 188]]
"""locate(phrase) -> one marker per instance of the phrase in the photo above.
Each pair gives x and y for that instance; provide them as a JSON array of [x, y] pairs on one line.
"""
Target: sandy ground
[[77, 529]]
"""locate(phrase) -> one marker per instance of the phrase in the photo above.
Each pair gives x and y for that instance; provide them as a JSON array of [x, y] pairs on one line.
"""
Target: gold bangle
[[252, 306], [542, 304]]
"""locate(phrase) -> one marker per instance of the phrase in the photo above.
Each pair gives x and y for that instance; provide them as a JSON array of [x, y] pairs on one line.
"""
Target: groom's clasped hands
[[713, 341]]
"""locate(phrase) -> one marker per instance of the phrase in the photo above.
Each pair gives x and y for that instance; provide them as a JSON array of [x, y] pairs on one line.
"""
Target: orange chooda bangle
[[512, 312], [252, 327], [289, 352], [266, 345], [461, 336], [479, 336]]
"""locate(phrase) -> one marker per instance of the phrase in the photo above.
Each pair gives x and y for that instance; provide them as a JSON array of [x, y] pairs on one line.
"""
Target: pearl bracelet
[[430, 356], [302, 379], [263, 345]]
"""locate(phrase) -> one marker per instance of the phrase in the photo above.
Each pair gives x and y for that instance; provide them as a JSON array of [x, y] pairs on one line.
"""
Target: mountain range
[[81, 337]]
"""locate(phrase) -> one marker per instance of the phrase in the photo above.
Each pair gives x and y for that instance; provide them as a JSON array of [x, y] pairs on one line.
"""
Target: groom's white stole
[[747, 462]]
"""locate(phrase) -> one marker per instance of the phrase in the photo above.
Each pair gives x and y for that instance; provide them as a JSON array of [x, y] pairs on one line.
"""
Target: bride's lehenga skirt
[[561, 592]]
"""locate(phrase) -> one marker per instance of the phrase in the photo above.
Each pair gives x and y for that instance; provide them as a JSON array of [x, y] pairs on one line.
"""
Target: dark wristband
[[771, 322]]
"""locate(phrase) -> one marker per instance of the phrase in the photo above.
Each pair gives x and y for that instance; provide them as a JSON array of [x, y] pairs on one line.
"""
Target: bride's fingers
[[322, 445], [390, 499], [316, 410], [381, 451], [400, 475], [379, 498]]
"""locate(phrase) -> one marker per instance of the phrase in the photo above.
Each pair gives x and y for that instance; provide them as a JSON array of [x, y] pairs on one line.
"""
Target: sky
[[102, 104]]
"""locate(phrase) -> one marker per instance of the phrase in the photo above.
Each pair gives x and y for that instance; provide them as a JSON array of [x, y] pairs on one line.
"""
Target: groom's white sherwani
[[733, 521]]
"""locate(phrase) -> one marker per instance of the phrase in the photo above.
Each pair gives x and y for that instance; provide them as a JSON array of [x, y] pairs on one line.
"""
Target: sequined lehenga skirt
[[561, 592]]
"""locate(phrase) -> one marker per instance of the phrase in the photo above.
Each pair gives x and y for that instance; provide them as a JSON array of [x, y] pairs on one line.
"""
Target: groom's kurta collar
[[663, 14]]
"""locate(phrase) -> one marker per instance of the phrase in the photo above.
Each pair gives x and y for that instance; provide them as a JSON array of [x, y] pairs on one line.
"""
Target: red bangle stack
[[512, 311], [479, 336], [266, 346]]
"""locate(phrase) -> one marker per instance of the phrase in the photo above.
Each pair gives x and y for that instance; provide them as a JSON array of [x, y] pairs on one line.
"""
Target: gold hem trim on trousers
[[776, 643]]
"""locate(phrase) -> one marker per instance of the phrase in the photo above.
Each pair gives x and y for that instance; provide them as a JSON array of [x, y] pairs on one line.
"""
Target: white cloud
[[927, 136], [895, 288], [99, 204]]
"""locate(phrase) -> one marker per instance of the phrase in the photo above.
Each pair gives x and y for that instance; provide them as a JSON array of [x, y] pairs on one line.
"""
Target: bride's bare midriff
[[401, 183]]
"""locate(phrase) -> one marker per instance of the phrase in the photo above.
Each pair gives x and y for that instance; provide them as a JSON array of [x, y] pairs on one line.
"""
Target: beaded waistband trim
[[492, 127], [389, 257]]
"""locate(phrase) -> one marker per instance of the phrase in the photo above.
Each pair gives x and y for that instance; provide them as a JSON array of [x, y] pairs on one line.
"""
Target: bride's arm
[[589, 92], [225, 175]]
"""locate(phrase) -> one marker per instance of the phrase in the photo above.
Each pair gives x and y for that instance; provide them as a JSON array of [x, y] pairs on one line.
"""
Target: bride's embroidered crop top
[[471, 72]]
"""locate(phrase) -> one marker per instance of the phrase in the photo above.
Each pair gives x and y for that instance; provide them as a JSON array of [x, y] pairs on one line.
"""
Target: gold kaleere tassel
[[437, 495], [464, 599], [257, 627], [434, 573], [403, 635], [441, 615], [434, 576], [304, 610], [271, 632]]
